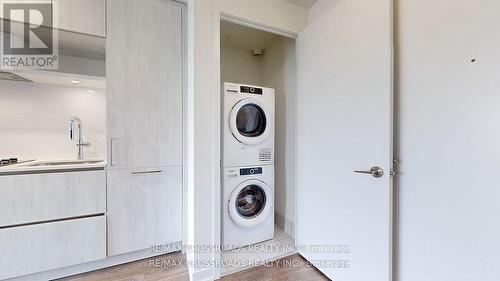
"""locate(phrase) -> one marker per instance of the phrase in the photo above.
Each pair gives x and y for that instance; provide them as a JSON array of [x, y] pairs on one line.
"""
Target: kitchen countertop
[[37, 166]]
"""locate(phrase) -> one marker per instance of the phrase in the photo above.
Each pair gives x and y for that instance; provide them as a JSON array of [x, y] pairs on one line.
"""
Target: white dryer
[[248, 206], [248, 125]]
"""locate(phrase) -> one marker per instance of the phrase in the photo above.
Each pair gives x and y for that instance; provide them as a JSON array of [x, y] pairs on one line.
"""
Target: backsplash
[[34, 121]]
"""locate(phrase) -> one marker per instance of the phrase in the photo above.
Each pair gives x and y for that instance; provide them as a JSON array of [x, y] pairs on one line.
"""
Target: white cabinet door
[[144, 83], [344, 124], [40, 247], [144, 208], [82, 16]]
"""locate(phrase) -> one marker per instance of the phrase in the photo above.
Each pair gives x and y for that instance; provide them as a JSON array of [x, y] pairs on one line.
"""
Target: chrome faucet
[[80, 144]]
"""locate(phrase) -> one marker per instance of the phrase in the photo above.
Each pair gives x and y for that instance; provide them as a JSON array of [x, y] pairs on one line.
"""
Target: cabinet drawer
[[144, 208], [43, 197], [40, 247]]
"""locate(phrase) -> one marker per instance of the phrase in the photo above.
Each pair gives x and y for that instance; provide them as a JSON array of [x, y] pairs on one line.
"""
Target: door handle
[[375, 171], [146, 172]]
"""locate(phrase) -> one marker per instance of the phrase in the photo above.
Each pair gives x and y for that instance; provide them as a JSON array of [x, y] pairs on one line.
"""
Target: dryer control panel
[[251, 90]]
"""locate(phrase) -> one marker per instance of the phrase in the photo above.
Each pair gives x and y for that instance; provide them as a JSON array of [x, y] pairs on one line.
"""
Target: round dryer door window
[[251, 120], [248, 203], [248, 122]]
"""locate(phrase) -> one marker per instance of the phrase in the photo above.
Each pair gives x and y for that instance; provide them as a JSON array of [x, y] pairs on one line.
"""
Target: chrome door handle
[[376, 172]]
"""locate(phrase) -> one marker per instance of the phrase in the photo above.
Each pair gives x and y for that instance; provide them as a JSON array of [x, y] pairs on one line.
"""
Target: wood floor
[[165, 268], [290, 268], [173, 267]]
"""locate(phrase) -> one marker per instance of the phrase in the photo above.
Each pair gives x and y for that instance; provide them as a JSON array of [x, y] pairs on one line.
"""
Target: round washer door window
[[249, 203], [249, 122]]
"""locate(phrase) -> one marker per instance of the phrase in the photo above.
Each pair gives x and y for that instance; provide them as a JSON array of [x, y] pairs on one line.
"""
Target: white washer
[[248, 206], [248, 125]]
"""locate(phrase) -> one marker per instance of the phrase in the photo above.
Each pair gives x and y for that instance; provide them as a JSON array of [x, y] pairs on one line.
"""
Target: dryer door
[[250, 203], [249, 122]]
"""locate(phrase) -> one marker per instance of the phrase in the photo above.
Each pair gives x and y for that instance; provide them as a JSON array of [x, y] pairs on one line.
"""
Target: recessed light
[[75, 81], [91, 91]]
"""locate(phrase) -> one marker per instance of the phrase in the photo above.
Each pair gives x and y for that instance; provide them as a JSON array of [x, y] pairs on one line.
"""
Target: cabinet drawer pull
[[146, 172]]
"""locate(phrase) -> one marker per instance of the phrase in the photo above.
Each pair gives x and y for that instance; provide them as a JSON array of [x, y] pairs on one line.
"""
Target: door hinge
[[394, 169]]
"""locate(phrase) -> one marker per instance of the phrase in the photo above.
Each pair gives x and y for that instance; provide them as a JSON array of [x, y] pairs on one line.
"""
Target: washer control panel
[[243, 172], [251, 90]]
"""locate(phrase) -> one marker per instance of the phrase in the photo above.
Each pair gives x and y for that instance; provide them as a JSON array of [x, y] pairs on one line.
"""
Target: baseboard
[[203, 274], [285, 224], [95, 265]]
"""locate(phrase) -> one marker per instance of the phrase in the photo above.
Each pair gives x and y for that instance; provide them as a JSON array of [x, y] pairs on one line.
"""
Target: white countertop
[[34, 166]]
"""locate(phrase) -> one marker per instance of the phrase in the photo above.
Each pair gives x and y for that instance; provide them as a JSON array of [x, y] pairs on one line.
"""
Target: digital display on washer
[[251, 90], [251, 171]]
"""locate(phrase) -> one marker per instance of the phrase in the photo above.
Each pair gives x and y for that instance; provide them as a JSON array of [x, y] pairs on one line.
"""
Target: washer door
[[248, 122], [250, 203]]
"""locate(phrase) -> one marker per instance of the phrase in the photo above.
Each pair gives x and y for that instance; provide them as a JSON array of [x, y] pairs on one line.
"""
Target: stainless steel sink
[[61, 163]]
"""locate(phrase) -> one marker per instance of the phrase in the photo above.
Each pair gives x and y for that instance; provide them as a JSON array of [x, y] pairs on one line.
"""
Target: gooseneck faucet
[[80, 144]]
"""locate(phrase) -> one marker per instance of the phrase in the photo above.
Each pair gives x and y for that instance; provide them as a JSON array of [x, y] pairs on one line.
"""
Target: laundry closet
[[257, 146]]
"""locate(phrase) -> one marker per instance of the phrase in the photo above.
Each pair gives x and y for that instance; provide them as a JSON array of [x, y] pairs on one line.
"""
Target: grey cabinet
[[81, 16], [33, 198], [45, 246], [144, 208], [51, 220], [144, 59], [144, 83]]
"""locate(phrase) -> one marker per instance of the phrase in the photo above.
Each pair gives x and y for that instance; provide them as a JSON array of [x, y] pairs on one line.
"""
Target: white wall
[[34, 120], [278, 72], [276, 13], [240, 66], [319, 8], [449, 134], [202, 149]]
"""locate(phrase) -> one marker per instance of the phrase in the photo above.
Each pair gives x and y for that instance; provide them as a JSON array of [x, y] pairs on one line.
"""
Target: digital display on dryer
[[251, 171]]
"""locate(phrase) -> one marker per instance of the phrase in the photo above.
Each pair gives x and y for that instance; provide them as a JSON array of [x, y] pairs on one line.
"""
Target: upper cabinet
[[81, 16], [144, 66]]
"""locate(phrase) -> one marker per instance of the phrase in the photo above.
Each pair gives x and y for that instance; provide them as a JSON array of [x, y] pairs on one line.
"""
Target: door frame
[[217, 17]]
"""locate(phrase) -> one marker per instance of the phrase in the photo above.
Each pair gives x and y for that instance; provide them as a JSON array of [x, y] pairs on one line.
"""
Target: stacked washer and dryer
[[248, 165]]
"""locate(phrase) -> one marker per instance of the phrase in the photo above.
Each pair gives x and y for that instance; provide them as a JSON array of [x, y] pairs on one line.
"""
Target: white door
[[344, 124]]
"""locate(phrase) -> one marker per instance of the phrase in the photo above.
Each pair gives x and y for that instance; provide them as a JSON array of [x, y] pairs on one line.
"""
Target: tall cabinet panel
[[144, 57], [144, 70]]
